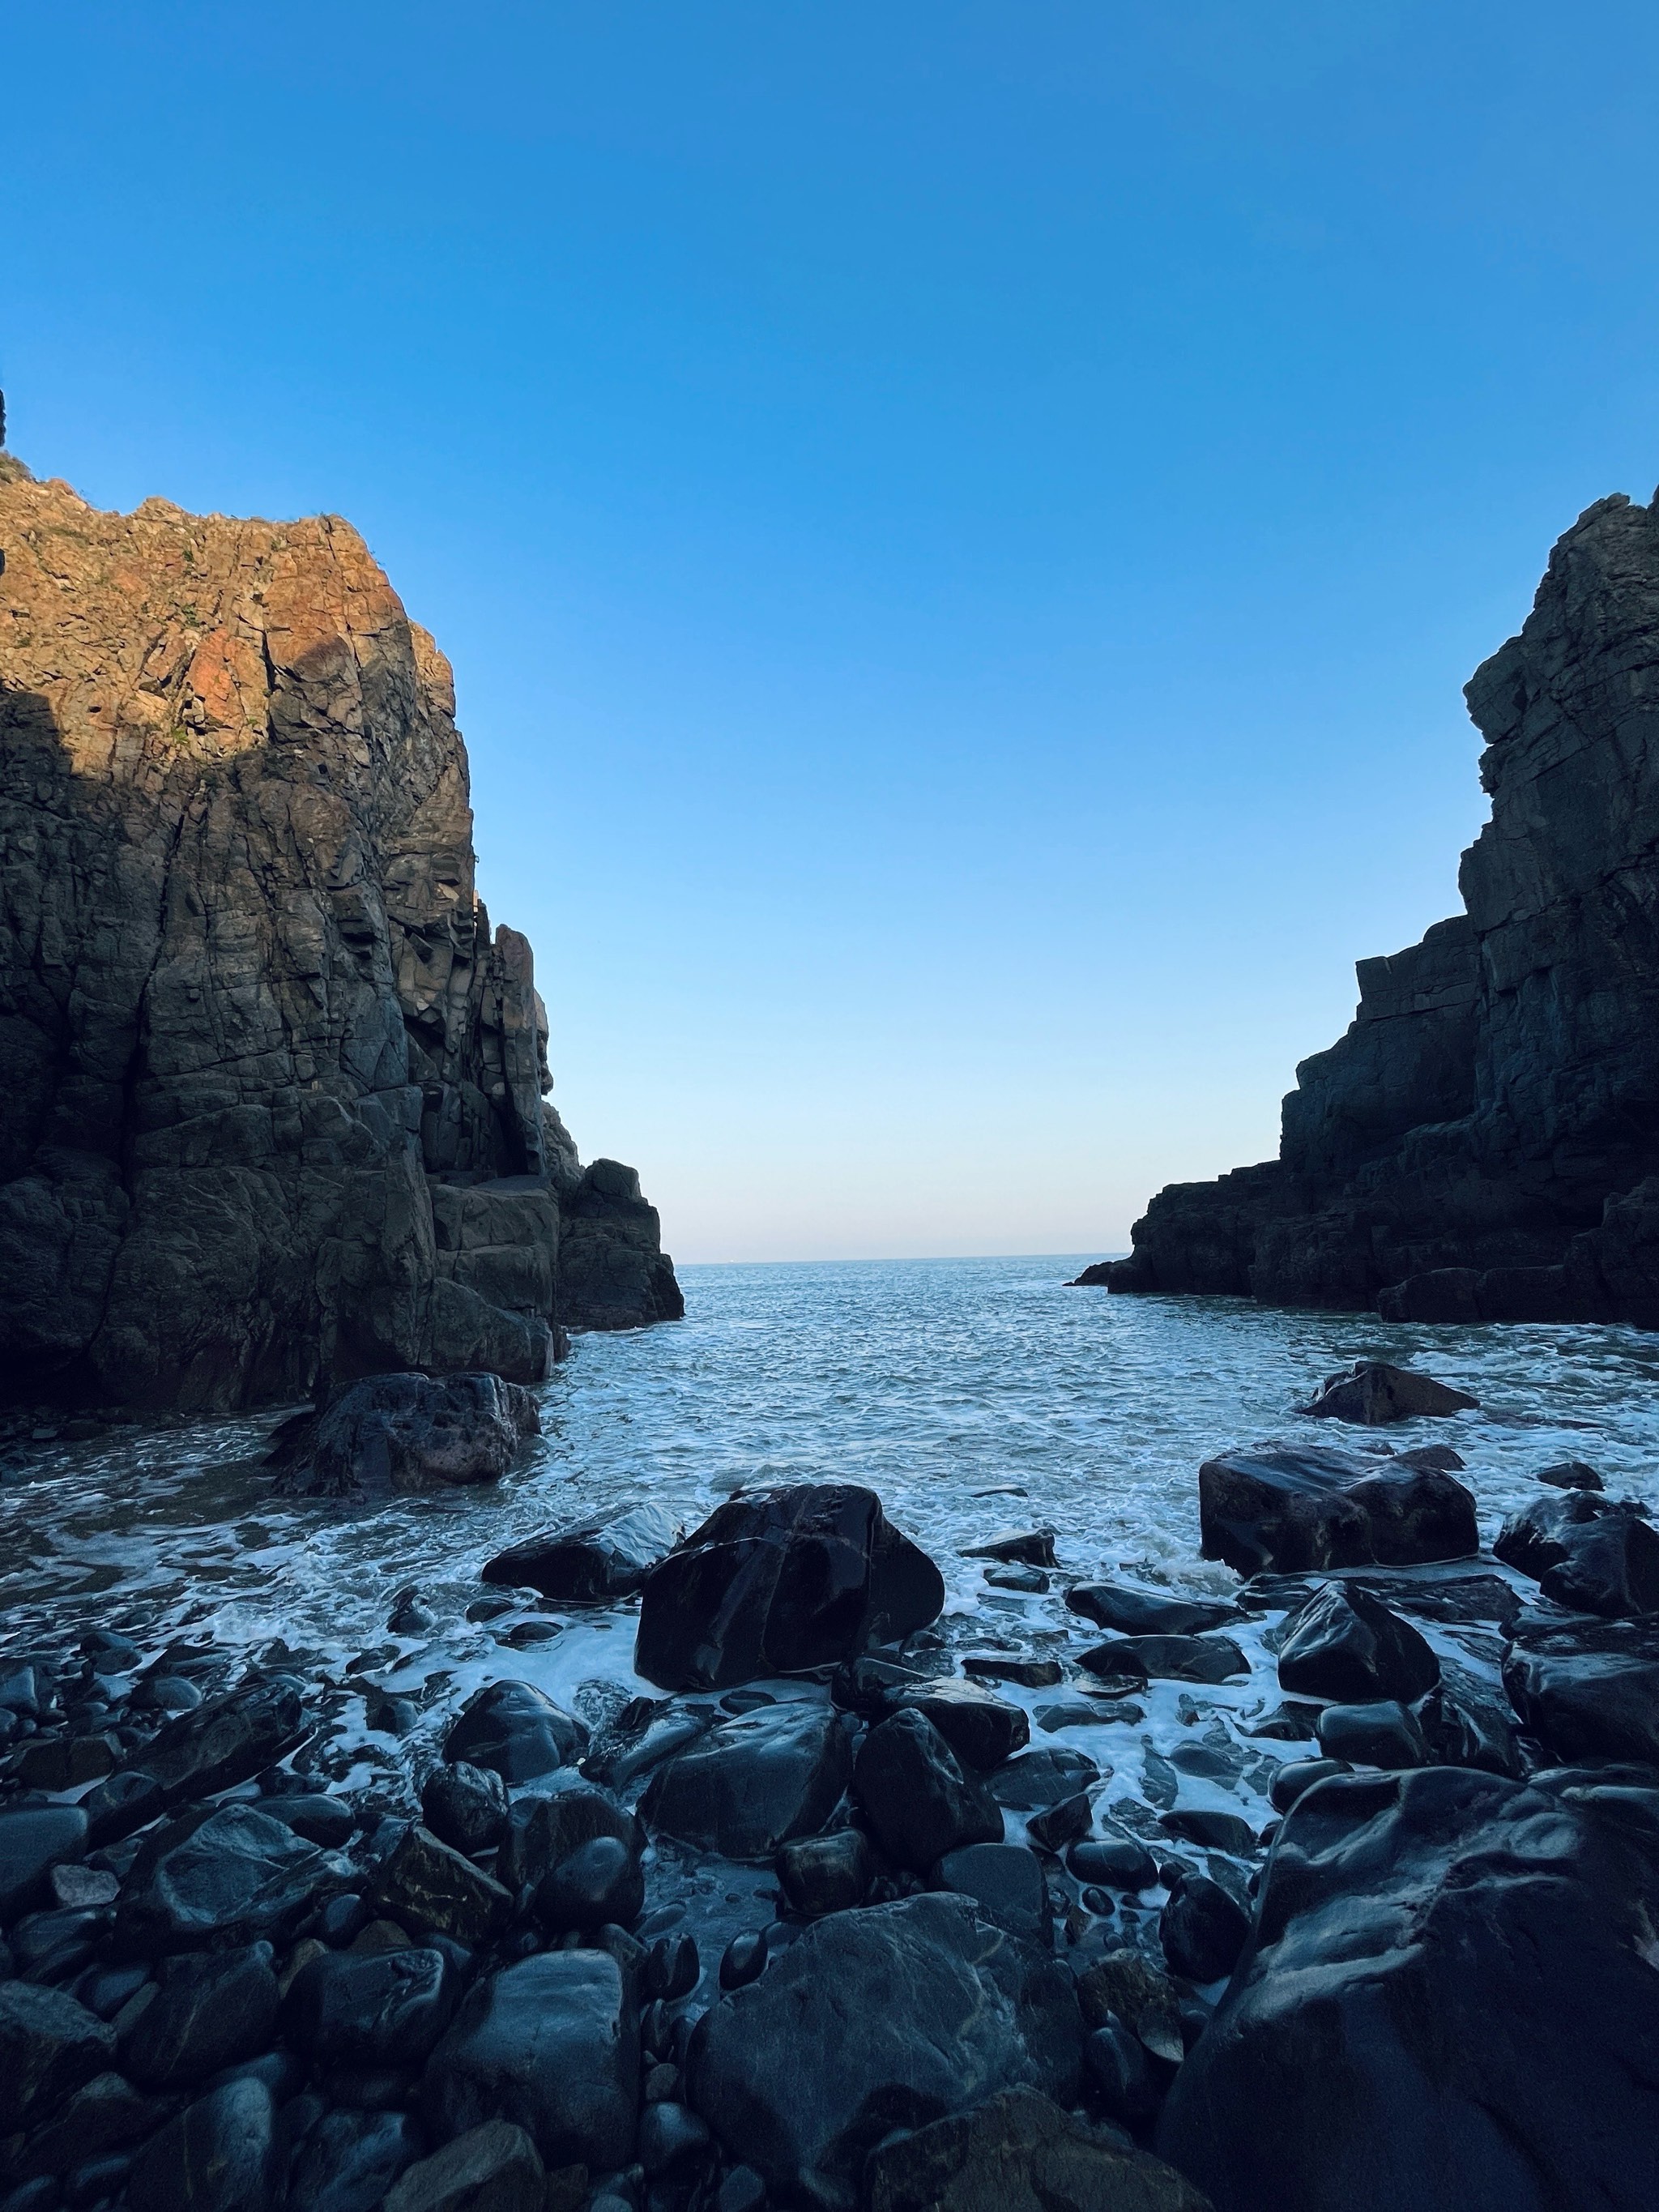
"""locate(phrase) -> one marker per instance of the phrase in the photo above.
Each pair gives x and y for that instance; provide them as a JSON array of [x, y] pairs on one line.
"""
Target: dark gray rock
[[276, 1111], [553, 2045], [49, 2046], [1588, 1690], [1031, 1547], [1043, 1777], [494, 2167], [1591, 1554], [1420, 1938], [225, 1741], [1298, 1775], [1480, 1146], [465, 1805], [1285, 1508], [1004, 1881], [592, 1561], [369, 2009], [1465, 1725], [1215, 1830], [1383, 1733], [208, 2012], [671, 2138], [983, 1728], [1018, 2152], [1125, 1984], [600, 1885], [920, 1801], [1374, 1394], [108, 2114], [1113, 1863], [753, 1783], [1570, 1474], [236, 1877], [32, 1840], [322, 1819], [825, 1874], [1147, 1613], [949, 2009], [430, 1884], [1202, 1930], [219, 2155], [544, 1827], [1345, 1645], [516, 1730], [351, 2158], [1121, 2076], [1211, 1659], [802, 1577], [395, 1434]]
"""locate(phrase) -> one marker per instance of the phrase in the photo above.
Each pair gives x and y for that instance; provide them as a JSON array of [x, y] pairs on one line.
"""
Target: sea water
[[975, 1396]]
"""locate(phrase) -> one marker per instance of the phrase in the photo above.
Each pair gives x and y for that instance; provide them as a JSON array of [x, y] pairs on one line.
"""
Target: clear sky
[[960, 527]]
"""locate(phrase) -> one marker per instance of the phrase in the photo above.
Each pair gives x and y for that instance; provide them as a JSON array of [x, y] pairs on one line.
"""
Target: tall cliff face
[[1484, 1142], [276, 1101]]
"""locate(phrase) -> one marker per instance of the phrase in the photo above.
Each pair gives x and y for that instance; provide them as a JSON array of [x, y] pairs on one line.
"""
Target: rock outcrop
[[1483, 1145], [276, 1105]]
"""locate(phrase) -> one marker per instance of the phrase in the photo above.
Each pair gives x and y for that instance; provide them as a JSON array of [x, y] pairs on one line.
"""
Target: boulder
[[1125, 1985], [1147, 1613], [107, 2115], [1115, 1862], [593, 1561], [1373, 1393], [800, 1577], [1287, 1507], [516, 1730], [1420, 1939], [753, 1783], [392, 1434], [34, 1839], [545, 1826], [1298, 1775], [208, 2012], [465, 1805], [494, 2167], [1018, 2152], [1382, 1733], [920, 1801], [1464, 1724], [1570, 1474], [236, 1877], [1031, 1547], [1591, 1554], [1348, 1646], [1043, 1777], [944, 2008], [825, 1874], [1212, 1659], [350, 2159], [552, 2044], [1588, 1690], [220, 2155], [1005, 1882], [1209, 1828], [224, 1742], [369, 2009], [49, 2046], [600, 1885], [983, 1728], [427, 1883], [1202, 1930]]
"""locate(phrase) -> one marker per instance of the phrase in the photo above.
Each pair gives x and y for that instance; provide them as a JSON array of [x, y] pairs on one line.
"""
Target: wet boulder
[[544, 1827], [1004, 1881], [1382, 1733], [1043, 1777], [34, 1839], [552, 2044], [805, 1576], [235, 1877], [1202, 1930], [105, 2116], [426, 1883], [920, 1800], [399, 1433], [370, 2010], [465, 1805], [1442, 2006], [350, 2159], [515, 1730], [1588, 1690], [1212, 1659], [1591, 1554], [494, 2167], [1570, 1474], [1148, 1612], [1125, 1984], [983, 1728], [825, 1874], [600, 1885], [226, 1740], [1018, 2152], [1465, 1725], [1029, 1547], [753, 1783], [1348, 1646], [49, 2046], [1286, 1508], [1373, 1393], [208, 2012], [219, 2155], [946, 2007], [1112, 1862], [589, 1561]]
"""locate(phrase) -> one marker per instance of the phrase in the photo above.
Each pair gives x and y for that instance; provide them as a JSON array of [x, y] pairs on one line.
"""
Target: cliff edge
[[276, 1093], [1483, 1145]]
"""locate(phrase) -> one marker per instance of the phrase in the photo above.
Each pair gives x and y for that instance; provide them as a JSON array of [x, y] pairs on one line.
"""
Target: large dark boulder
[[920, 1799], [983, 1728], [1374, 1394], [34, 1838], [208, 2012], [1588, 1690], [377, 2009], [1018, 2152], [1591, 1554], [494, 2167], [517, 1730], [397, 1433], [1148, 1612], [1285, 1508], [1348, 1646], [591, 1561], [431, 1884], [552, 2044], [805, 1576], [753, 1783], [887, 2017], [236, 1877], [49, 2045], [227, 1740], [222, 2154], [350, 2159], [1446, 2003], [1167, 1658], [546, 1826]]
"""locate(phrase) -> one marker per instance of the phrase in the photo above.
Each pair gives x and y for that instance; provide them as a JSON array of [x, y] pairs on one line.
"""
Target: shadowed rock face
[[1484, 1142], [276, 1091]]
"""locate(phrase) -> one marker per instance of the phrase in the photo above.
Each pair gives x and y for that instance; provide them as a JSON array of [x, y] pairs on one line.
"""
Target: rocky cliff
[[276, 1107], [1484, 1142]]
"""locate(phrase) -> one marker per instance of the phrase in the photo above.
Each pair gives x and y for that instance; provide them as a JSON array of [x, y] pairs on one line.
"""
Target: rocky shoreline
[[848, 1908]]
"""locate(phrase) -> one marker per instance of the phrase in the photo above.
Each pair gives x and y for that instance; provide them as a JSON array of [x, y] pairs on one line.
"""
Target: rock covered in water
[[1374, 1394], [1588, 1553], [775, 1580], [370, 2010], [948, 2009], [515, 1730], [1167, 1658], [465, 1805], [1018, 2152], [276, 1092], [400, 1433], [753, 1783], [1148, 1612], [592, 1561], [1348, 1646], [1443, 2006], [1287, 1508], [547, 1824], [983, 1728]]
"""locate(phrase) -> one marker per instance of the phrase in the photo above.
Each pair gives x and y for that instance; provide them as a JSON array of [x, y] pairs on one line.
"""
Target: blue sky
[[960, 528]]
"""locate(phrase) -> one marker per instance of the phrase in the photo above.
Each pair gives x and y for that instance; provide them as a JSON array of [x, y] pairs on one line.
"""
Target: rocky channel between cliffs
[[1327, 1879]]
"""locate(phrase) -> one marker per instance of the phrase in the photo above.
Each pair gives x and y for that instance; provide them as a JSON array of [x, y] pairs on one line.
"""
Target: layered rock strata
[[1483, 1145], [276, 1105]]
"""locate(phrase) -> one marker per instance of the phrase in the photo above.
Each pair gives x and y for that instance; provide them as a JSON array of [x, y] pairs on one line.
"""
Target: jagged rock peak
[[276, 1106], [1484, 1142]]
